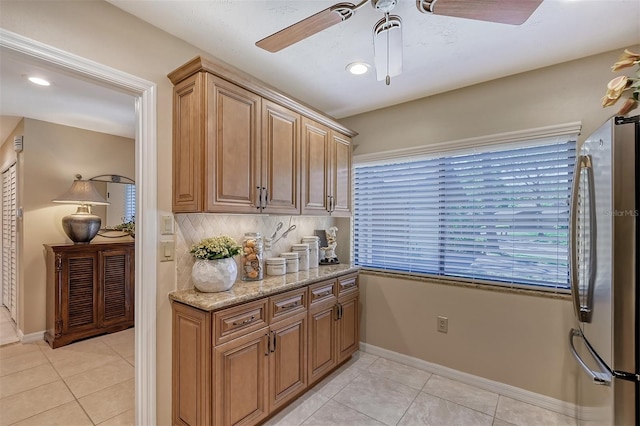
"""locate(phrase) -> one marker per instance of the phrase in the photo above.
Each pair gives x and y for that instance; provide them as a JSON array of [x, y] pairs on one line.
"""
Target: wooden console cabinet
[[241, 364], [90, 290]]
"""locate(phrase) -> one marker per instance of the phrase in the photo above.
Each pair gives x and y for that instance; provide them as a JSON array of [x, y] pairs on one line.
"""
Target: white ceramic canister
[[292, 260], [303, 251], [314, 250], [276, 266]]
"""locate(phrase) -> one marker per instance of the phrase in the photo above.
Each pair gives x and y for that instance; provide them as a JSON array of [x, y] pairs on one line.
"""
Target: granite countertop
[[245, 291]]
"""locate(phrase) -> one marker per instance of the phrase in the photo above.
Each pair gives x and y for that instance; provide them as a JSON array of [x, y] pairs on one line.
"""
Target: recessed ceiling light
[[39, 81], [358, 68]]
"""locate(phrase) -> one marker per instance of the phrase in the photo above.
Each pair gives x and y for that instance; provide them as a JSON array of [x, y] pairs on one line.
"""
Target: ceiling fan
[[387, 33]]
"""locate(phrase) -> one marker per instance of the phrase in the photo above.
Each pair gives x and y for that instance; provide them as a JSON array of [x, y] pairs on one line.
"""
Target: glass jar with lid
[[252, 266]]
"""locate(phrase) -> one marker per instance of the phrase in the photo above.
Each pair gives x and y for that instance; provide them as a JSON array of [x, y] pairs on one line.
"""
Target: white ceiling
[[68, 100], [440, 54]]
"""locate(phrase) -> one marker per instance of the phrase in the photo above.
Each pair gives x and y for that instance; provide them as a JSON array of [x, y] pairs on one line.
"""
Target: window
[[129, 203], [498, 214]]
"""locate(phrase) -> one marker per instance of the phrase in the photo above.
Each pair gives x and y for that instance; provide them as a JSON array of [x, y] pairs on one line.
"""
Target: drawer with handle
[[284, 305], [322, 291], [347, 284], [239, 320]]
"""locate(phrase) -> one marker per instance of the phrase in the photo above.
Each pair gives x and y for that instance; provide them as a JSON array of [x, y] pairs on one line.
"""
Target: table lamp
[[82, 225]]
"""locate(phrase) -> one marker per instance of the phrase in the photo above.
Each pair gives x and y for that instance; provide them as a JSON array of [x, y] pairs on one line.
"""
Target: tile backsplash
[[193, 227]]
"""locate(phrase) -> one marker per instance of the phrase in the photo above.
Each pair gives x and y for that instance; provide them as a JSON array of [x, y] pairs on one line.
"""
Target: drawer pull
[[348, 284], [323, 294], [291, 305], [245, 322]]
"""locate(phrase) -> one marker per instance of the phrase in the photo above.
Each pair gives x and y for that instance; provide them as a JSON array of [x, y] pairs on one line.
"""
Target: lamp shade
[[81, 226], [82, 192]]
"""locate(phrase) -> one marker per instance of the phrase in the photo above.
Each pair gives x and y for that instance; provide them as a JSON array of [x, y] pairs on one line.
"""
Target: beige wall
[[558, 94], [7, 155], [52, 156], [511, 338]]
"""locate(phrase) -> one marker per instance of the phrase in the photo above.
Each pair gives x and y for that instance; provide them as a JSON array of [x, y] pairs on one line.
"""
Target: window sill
[[458, 282]]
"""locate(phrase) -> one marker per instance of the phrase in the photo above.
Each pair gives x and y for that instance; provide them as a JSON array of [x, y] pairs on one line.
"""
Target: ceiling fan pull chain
[[388, 78]]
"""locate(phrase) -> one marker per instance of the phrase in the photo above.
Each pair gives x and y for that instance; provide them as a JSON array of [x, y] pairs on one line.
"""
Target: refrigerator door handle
[[602, 377], [583, 312]]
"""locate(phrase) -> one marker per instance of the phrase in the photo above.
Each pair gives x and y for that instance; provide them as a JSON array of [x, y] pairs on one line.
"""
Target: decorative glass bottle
[[252, 265]]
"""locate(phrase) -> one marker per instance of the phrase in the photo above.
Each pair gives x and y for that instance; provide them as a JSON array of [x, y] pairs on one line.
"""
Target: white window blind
[[495, 214], [129, 203]]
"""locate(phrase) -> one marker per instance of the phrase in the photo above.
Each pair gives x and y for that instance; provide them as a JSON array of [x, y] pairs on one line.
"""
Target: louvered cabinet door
[[90, 290], [79, 289], [115, 290]]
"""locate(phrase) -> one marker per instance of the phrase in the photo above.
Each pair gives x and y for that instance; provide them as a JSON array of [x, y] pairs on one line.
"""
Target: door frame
[[145, 93]]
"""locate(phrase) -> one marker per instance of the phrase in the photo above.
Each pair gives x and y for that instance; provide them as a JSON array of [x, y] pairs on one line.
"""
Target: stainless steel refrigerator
[[604, 271]]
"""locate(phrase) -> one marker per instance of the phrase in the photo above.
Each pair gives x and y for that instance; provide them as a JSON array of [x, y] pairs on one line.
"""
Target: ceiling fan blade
[[514, 12], [307, 27]]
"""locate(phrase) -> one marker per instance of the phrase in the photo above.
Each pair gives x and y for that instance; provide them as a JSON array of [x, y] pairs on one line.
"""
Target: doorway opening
[[144, 93]]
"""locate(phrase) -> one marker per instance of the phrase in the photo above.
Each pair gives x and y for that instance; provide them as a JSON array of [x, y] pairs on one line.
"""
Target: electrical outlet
[[443, 324]]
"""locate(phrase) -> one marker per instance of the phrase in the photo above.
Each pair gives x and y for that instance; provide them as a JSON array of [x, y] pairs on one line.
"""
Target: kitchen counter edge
[[246, 291]]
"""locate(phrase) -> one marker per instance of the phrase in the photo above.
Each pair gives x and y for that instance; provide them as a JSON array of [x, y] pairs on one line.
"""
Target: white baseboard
[[562, 407], [31, 337]]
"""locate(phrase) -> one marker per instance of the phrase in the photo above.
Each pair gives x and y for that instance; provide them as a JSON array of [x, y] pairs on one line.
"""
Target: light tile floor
[[92, 383], [85, 383], [369, 390]]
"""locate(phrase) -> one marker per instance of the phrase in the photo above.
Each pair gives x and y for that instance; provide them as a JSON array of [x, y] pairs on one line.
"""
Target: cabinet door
[[348, 326], [340, 175], [233, 150], [322, 339], [79, 288], [280, 159], [315, 168], [188, 145], [115, 305], [288, 360], [241, 391], [191, 379]]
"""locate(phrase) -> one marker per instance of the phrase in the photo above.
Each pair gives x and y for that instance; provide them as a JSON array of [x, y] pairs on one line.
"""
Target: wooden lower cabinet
[[256, 370], [241, 379], [348, 335], [90, 290], [322, 340], [288, 360], [191, 365]]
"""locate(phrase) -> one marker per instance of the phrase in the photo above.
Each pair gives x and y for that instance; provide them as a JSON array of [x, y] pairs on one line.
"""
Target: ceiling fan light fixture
[[358, 68], [387, 47]]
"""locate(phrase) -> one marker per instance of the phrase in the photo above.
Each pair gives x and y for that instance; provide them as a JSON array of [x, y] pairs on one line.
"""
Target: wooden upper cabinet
[[233, 149], [341, 174], [316, 140], [280, 159], [240, 146], [326, 170], [188, 144]]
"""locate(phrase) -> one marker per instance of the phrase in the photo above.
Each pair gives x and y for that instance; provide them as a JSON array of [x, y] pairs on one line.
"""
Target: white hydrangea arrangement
[[216, 248]]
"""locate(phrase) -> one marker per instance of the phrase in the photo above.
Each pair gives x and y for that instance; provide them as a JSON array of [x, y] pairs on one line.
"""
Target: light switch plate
[[167, 250], [167, 225]]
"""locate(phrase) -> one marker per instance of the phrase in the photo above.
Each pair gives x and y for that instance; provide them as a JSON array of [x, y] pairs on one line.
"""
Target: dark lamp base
[[82, 226]]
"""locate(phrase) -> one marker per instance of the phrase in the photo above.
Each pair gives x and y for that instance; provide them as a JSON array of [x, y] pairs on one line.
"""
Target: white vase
[[211, 276]]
